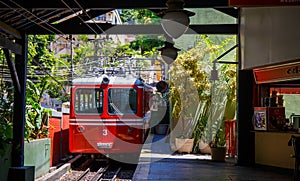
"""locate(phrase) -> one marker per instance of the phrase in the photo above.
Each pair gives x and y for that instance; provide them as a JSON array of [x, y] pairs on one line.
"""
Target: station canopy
[[71, 16]]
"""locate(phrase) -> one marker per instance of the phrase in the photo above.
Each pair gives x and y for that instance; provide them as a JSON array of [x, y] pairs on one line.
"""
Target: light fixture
[[175, 21], [214, 73], [169, 52]]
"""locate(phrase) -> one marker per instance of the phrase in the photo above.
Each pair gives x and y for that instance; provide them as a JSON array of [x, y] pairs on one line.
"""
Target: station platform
[[158, 162]]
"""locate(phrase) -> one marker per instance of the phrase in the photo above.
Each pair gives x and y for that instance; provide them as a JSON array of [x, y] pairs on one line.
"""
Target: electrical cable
[[35, 17], [78, 16], [89, 17]]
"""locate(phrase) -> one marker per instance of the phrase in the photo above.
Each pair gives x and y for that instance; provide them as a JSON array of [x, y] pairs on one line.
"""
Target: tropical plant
[[201, 123], [42, 63], [189, 90], [223, 98], [214, 132], [139, 16], [39, 59], [146, 44], [219, 139], [6, 116], [36, 125], [191, 71]]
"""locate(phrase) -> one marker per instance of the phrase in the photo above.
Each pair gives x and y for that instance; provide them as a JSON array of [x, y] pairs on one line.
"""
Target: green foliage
[[39, 53], [123, 50], [139, 16], [41, 60], [199, 128], [36, 125], [83, 38], [52, 90], [189, 65], [6, 116], [219, 132], [192, 69], [147, 44], [224, 100], [214, 132]]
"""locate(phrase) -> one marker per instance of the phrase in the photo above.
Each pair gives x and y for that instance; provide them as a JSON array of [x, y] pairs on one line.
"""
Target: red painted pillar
[[230, 136]]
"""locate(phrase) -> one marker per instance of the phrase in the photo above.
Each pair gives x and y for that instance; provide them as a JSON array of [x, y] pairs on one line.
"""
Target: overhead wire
[[35, 17], [48, 14], [84, 11], [78, 16], [89, 17], [92, 19], [43, 69], [50, 26], [60, 32], [57, 30]]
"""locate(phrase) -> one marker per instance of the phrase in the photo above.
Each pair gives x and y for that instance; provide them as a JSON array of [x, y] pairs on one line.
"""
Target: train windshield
[[122, 101], [89, 101]]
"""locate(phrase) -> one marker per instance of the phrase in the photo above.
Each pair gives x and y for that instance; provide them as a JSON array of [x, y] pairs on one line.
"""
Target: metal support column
[[18, 171], [245, 144]]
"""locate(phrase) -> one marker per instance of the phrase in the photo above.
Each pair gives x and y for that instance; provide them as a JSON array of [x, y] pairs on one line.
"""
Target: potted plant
[[184, 143], [218, 144], [214, 133], [183, 117], [202, 116], [189, 89]]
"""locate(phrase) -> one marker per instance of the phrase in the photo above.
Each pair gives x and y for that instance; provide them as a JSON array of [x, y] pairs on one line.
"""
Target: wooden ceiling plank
[[6, 43], [8, 29]]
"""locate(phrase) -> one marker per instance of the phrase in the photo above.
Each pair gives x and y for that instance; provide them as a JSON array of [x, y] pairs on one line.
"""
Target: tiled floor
[[157, 162]]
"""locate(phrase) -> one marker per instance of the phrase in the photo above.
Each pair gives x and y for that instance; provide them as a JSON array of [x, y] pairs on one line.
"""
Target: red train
[[109, 113]]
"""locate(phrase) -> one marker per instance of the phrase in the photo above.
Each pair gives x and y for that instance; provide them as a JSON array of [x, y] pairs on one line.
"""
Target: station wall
[[269, 35]]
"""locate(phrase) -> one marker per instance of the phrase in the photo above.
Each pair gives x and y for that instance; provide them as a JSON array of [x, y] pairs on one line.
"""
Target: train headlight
[[129, 129], [80, 129], [105, 80]]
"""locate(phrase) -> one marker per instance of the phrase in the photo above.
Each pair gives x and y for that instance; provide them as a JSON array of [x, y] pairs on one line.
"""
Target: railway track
[[92, 170]]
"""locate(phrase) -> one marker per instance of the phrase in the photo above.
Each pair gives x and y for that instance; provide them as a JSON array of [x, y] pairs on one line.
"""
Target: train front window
[[88, 101], [122, 101]]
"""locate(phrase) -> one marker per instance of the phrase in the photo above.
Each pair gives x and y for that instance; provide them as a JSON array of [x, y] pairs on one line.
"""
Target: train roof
[[120, 80]]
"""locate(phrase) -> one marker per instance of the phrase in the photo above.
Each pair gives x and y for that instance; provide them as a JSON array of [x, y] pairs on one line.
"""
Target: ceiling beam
[[100, 28], [6, 43], [13, 71], [85, 16], [10, 30], [229, 11], [229, 29], [111, 4]]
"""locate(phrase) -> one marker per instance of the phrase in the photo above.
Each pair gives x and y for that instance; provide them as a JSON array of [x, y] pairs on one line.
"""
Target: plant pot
[[184, 145], [204, 147], [218, 154]]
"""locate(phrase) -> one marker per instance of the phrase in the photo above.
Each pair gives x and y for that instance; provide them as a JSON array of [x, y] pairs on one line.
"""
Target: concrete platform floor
[[157, 162]]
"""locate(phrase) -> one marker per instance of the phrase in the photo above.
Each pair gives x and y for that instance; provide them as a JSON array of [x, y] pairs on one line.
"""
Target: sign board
[[278, 73]]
